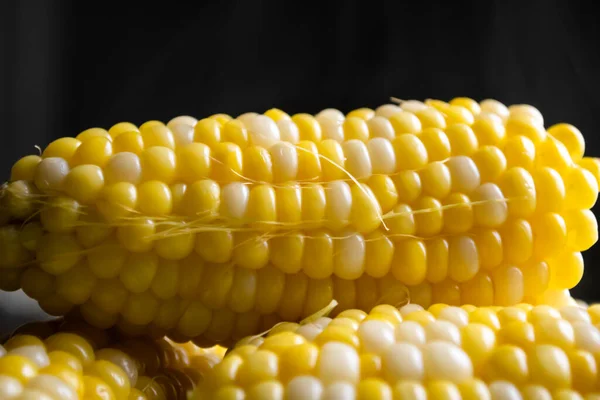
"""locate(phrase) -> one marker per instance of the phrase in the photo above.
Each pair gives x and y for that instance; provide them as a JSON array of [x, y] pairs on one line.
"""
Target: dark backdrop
[[66, 66]]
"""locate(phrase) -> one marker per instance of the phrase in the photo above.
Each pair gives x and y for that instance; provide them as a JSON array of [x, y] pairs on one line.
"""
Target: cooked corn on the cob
[[445, 352], [72, 361], [219, 228]]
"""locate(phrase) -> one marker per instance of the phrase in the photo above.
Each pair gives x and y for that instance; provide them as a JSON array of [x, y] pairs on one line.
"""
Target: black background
[[66, 66]]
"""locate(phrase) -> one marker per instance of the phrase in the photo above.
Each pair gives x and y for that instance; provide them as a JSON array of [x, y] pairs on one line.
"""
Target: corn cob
[[66, 360], [219, 228], [444, 352]]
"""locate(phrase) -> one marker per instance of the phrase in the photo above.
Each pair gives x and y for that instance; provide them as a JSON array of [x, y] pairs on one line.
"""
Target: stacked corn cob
[[68, 361], [445, 352], [219, 228]]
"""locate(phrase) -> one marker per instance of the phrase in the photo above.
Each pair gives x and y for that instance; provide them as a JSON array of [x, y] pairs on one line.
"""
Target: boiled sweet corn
[[71, 361], [219, 228], [444, 352]]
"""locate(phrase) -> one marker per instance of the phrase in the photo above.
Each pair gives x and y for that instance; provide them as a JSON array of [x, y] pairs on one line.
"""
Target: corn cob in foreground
[[219, 228], [71, 361], [445, 352]]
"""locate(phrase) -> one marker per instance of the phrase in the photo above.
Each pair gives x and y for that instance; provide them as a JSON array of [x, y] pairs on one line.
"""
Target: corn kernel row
[[401, 165], [217, 304], [379, 203]]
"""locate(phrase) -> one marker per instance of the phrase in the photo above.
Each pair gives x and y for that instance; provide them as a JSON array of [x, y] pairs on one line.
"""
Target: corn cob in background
[[63, 360], [445, 352], [219, 228]]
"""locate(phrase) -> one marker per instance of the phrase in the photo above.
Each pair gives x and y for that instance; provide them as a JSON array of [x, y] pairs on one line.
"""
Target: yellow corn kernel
[[355, 128], [437, 144], [154, 198], [24, 168], [308, 127], [122, 127], [467, 103], [462, 140], [64, 148], [431, 118], [60, 214], [207, 131], [592, 164], [554, 154], [489, 129], [581, 189], [117, 201], [91, 133], [131, 142], [519, 152], [95, 150], [362, 113], [410, 151], [157, 135]]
